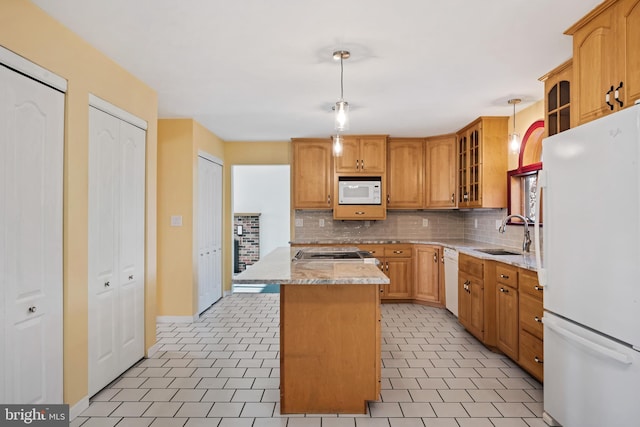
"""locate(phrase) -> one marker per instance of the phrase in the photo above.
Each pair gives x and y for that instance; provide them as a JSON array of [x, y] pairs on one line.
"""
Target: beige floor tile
[[131, 409], [194, 409]]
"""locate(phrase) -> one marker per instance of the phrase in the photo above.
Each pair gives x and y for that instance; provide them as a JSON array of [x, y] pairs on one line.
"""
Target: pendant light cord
[[341, 80]]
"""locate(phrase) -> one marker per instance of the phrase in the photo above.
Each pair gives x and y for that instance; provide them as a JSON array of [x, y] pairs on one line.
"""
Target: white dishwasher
[[451, 279]]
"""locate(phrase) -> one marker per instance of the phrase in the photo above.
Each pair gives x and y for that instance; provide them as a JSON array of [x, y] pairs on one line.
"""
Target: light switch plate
[[425, 222], [176, 220], [321, 222], [299, 222]]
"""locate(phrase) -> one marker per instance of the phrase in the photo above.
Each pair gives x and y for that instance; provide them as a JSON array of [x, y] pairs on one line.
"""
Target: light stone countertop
[[524, 260], [277, 267]]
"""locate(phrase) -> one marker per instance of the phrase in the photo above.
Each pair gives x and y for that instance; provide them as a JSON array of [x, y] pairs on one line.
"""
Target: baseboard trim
[[549, 420], [176, 319], [153, 349], [78, 408]]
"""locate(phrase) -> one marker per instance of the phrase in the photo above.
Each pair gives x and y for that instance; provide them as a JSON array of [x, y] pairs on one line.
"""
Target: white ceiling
[[263, 70]]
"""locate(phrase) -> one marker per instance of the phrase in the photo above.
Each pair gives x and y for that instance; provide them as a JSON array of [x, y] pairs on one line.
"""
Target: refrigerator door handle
[[542, 272], [589, 345]]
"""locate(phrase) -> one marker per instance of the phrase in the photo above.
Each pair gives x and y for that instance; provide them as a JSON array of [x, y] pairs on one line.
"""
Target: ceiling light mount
[[514, 138], [341, 54]]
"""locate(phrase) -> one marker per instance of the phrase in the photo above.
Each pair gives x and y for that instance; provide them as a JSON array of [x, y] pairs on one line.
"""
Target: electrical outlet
[[498, 224], [425, 222], [475, 223], [321, 222], [299, 222], [367, 223]]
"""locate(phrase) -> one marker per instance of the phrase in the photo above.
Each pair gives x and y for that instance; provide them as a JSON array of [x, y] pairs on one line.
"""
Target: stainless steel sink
[[498, 252]]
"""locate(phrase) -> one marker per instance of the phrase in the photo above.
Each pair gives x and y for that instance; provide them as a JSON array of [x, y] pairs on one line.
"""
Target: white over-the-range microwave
[[359, 190]]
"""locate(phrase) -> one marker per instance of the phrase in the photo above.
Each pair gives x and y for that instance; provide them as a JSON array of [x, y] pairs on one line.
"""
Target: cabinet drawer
[[531, 315], [397, 251], [507, 275], [359, 212], [375, 250], [472, 266], [529, 283], [531, 354]]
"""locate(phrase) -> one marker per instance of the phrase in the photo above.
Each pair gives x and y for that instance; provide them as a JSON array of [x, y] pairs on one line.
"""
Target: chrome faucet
[[526, 244]]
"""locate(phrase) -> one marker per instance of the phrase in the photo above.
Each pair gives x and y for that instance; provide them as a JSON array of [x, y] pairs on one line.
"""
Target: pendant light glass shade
[[341, 115], [337, 145], [514, 138]]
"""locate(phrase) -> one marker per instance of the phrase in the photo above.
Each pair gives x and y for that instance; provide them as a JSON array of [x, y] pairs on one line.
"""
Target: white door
[[31, 166], [116, 247], [217, 232], [131, 249], [209, 233]]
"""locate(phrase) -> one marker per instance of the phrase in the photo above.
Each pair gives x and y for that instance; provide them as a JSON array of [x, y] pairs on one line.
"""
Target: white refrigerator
[[591, 273]]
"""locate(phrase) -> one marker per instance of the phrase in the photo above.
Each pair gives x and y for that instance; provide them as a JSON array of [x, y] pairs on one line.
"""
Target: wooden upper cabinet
[[482, 163], [606, 58], [312, 174], [405, 176], [362, 154], [440, 172], [557, 99]]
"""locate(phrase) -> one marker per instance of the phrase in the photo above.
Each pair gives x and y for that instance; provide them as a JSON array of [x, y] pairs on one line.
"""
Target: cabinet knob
[[388, 199], [537, 360], [453, 197], [362, 164], [358, 161], [359, 212], [537, 319], [329, 199], [538, 288], [398, 252], [32, 309], [504, 276], [435, 257], [506, 291]]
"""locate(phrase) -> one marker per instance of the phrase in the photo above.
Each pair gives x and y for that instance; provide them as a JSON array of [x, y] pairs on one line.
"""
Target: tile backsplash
[[478, 225]]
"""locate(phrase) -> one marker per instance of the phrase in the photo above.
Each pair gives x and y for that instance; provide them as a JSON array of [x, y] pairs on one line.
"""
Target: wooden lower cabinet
[[398, 266], [330, 348], [471, 300], [507, 328], [427, 262], [531, 333]]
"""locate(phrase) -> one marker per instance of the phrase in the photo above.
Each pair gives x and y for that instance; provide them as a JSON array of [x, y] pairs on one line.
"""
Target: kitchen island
[[329, 331]]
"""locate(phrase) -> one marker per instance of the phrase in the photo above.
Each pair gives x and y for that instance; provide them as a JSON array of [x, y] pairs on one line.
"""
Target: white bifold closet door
[[209, 233], [116, 247], [31, 165]]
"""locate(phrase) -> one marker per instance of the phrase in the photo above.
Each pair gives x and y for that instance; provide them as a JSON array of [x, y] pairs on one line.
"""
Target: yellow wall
[[245, 153], [524, 119], [179, 142], [28, 31]]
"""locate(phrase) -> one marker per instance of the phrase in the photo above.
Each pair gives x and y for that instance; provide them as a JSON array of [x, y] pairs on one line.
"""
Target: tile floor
[[223, 371]]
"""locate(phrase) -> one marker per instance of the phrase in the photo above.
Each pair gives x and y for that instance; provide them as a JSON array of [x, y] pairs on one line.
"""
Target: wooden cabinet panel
[[440, 172], [471, 299], [529, 284], [399, 271], [593, 58], [482, 163], [397, 251], [360, 212], [427, 268], [606, 60], [405, 175], [507, 275], [507, 328], [531, 312], [362, 154], [472, 266], [312, 174], [557, 98], [531, 355]]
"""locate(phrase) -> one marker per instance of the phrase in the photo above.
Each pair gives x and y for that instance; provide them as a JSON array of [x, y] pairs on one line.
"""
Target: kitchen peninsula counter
[[330, 336]]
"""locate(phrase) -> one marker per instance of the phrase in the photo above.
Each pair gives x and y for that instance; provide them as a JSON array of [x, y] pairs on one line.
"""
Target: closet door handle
[[107, 284]]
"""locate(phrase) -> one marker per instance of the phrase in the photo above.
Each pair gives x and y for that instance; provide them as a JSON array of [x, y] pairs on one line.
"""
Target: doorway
[[262, 193]]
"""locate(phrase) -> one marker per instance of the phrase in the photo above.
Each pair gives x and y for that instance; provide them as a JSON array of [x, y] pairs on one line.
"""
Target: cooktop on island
[[334, 255]]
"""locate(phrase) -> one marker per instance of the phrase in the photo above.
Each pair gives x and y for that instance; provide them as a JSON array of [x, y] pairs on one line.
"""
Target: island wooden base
[[329, 348]]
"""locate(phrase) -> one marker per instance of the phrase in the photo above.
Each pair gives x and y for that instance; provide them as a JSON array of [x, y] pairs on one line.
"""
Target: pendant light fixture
[[337, 145], [514, 138], [341, 108]]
